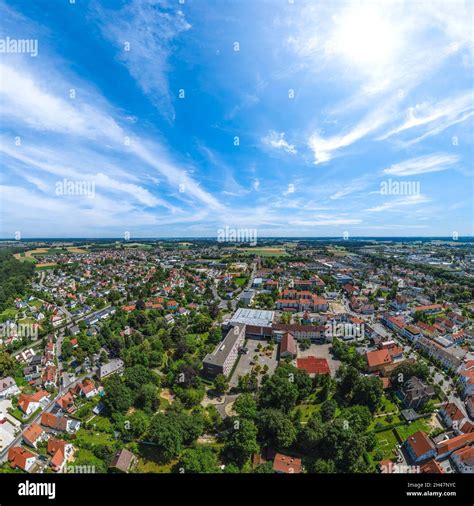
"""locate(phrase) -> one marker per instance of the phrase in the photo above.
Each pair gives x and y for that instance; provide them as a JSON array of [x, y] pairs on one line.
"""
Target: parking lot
[[247, 362], [321, 351]]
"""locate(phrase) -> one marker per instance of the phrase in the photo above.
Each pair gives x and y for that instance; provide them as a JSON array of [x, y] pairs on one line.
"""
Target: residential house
[[66, 402], [8, 388], [61, 453], [463, 459], [470, 406], [419, 447], [445, 448], [60, 423], [115, 366], [416, 393], [451, 415], [34, 434], [432, 467], [21, 458], [465, 375], [29, 403], [287, 465], [123, 461], [385, 360], [86, 389]]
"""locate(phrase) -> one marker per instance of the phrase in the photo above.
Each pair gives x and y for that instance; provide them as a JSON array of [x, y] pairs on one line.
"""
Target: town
[[205, 356]]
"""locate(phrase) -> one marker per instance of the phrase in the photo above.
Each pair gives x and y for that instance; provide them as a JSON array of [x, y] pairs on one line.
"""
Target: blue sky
[[294, 116]]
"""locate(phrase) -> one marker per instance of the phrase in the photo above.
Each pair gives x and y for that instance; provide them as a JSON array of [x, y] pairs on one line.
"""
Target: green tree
[[167, 433], [241, 443], [280, 392], [199, 460], [118, 396], [275, 428], [328, 410], [7, 364], [246, 406], [221, 384]]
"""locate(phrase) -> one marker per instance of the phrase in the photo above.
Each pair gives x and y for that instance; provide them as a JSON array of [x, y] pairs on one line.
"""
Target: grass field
[[148, 461], [405, 431], [386, 442], [265, 252], [240, 281], [33, 254]]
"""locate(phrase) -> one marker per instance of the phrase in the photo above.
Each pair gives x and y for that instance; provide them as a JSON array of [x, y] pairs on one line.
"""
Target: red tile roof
[[285, 464], [288, 344], [313, 365], [420, 443], [18, 456], [455, 443]]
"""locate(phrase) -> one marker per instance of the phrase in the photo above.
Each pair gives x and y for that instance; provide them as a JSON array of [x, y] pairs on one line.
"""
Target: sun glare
[[363, 36]]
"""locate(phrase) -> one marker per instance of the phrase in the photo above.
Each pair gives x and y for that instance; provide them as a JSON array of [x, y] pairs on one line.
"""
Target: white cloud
[[407, 201], [422, 165], [149, 28], [277, 140], [324, 149], [450, 110], [325, 221]]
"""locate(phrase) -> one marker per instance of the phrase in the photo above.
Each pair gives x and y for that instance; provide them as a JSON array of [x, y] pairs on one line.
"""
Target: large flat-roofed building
[[258, 322], [223, 358]]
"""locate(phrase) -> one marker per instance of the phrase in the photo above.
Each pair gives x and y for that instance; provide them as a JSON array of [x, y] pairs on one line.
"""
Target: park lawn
[[386, 406], [36, 303], [384, 422], [148, 461], [386, 442], [8, 314], [92, 437], [240, 281], [405, 431], [101, 424], [306, 410]]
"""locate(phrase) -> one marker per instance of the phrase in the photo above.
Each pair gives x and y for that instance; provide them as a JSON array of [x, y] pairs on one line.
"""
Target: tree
[[328, 410], [266, 468], [246, 406], [242, 442], [275, 428], [248, 383], [347, 377], [221, 384], [280, 392], [215, 335], [138, 375], [368, 391], [166, 432], [118, 396], [199, 460], [7, 364], [66, 350], [322, 466], [147, 398], [139, 422]]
